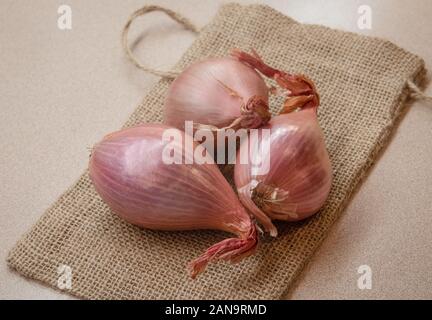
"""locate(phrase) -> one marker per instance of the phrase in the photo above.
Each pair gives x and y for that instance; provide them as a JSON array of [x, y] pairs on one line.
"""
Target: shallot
[[299, 177], [153, 181]]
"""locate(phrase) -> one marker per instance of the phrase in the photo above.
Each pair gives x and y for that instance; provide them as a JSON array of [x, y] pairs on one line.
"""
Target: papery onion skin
[[300, 175], [212, 92], [128, 171]]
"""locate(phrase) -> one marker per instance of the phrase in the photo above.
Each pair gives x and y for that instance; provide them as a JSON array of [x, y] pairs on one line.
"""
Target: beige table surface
[[60, 91]]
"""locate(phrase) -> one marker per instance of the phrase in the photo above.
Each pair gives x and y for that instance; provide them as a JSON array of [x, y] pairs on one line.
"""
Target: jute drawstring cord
[[140, 12], [416, 93]]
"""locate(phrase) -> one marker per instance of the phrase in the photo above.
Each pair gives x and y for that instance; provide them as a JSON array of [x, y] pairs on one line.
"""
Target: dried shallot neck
[[302, 93], [254, 112], [232, 250]]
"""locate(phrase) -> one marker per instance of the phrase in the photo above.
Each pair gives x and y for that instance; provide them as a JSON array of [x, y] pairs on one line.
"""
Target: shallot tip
[[233, 250]]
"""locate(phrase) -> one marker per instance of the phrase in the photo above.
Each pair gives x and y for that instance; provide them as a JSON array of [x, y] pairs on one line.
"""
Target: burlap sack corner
[[362, 82]]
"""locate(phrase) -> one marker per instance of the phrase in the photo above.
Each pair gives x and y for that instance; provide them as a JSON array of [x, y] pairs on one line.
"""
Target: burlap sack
[[363, 85]]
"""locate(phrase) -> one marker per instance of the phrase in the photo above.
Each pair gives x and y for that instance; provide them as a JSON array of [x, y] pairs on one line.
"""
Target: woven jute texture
[[362, 82]]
